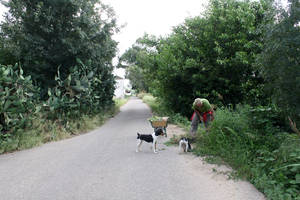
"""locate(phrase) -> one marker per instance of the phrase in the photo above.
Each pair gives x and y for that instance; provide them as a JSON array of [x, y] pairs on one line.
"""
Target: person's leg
[[208, 120], [194, 125]]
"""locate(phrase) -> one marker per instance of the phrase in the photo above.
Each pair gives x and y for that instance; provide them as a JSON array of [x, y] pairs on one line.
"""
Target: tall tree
[[140, 62], [212, 56], [48, 34], [281, 62]]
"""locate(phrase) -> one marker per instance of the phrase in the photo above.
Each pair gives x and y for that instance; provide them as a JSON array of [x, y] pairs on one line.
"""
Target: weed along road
[[103, 165]]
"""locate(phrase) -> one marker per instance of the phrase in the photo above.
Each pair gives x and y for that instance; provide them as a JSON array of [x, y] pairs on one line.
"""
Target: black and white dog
[[185, 144], [151, 138]]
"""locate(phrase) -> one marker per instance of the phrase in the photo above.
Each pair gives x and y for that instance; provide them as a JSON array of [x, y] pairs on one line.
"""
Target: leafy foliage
[[51, 34], [18, 99], [259, 151], [280, 60], [7, 56], [211, 57], [136, 76], [82, 92], [140, 61], [66, 50]]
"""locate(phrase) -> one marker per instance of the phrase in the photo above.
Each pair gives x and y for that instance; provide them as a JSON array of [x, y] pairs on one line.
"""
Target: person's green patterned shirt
[[205, 105]]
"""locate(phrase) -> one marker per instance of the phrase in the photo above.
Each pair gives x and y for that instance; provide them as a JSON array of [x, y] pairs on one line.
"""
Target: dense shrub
[[277, 172], [254, 144], [18, 98], [18, 105], [83, 92], [66, 50], [279, 60]]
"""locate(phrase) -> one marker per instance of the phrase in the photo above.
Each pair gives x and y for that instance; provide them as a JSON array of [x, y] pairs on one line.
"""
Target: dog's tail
[[138, 136]]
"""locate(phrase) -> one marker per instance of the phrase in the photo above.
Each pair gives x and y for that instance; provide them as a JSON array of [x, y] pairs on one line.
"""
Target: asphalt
[[103, 165]]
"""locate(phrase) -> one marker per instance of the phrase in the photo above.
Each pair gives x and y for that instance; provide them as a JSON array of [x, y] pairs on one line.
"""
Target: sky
[[156, 17]]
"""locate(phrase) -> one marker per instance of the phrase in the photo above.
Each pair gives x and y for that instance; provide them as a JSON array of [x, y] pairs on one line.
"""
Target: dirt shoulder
[[174, 130]]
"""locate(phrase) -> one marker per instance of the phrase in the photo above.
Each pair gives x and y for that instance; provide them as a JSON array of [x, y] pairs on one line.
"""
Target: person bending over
[[203, 112]]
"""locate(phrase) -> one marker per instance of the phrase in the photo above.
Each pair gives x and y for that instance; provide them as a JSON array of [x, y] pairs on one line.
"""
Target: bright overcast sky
[[155, 17]]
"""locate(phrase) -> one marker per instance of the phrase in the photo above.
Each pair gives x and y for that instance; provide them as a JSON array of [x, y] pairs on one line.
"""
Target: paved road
[[103, 165]]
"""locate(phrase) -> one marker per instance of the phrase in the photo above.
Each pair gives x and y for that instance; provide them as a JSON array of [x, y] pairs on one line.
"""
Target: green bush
[[82, 92], [251, 141], [277, 172], [18, 98], [230, 137]]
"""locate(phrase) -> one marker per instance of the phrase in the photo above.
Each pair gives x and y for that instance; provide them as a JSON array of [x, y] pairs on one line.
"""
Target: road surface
[[103, 165]]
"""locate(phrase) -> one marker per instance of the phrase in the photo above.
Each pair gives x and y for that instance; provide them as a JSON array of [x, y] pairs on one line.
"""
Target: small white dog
[[185, 144], [150, 139]]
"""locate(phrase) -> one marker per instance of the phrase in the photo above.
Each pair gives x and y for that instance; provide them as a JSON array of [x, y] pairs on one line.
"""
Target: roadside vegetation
[[56, 68], [243, 56]]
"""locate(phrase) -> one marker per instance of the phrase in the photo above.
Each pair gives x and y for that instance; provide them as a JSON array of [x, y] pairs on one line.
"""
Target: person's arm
[[200, 116]]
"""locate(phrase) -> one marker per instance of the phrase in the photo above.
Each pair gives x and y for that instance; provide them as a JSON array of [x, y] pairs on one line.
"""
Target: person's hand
[[201, 118]]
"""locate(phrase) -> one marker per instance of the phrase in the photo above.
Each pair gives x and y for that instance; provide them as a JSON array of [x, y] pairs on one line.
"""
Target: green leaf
[[77, 88], [298, 178], [90, 75], [6, 72], [30, 94], [6, 105], [21, 71], [49, 92]]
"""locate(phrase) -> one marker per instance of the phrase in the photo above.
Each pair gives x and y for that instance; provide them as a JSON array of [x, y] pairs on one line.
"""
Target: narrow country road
[[103, 165]]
